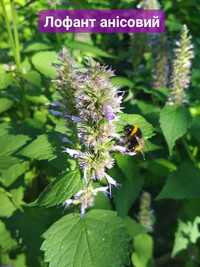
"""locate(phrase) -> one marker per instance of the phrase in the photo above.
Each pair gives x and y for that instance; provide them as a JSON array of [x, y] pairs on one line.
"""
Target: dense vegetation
[[152, 216]]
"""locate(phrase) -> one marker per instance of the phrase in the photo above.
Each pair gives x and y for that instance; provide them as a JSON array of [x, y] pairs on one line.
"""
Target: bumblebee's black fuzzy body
[[133, 138]]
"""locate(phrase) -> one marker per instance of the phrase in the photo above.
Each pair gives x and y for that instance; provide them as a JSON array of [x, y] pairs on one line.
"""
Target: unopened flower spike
[[146, 216], [149, 4], [181, 72]]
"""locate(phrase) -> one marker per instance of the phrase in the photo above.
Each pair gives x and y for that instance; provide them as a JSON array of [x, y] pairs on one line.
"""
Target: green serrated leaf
[[180, 244], [5, 78], [147, 108], [9, 176], [182, 184], [36, 47], [43, 62], [11, 143], [87, 49], [133, 227], [174, 122], [60, 189], [38, 99], [122, 82], [6, 241], [33, 77], [7, 161], [40, 149], [5, 104], [102, 202], [99, 239], [187, 233], [135, 119], [20, 261], [150, 147], [4, 128], [143, 245], [17, 196], [7, 207]]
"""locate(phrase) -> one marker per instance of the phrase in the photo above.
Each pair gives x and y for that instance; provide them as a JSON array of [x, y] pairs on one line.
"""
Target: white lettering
[[123, 23], [117, 22], [77, 23], [155, 22], [111, 23], [139, 23], [58, 23], [131, 23], [47, 21], [92, 22], [84, 23], [147, 23], [67, 23], [103, 23]]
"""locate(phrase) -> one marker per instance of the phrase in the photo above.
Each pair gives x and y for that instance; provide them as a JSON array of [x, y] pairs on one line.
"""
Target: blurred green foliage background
[[31, 138]]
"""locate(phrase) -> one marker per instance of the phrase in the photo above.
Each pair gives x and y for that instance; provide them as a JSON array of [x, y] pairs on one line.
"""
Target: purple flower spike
[[92, 104]]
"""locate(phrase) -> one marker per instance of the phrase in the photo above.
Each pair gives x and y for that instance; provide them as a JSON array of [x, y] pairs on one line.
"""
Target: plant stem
[[8, 27], [16, 36], [192, 158], [13, 40], [13, 37]]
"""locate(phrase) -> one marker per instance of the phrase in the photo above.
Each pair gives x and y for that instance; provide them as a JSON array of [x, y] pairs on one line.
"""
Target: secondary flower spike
[[92, 104], [149, 4], [180, 79]]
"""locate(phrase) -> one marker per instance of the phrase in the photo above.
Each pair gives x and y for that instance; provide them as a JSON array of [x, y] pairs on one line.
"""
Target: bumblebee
[[133, 139]]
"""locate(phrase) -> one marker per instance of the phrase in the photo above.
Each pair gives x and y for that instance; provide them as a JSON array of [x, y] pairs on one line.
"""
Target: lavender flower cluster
[[92, 104]]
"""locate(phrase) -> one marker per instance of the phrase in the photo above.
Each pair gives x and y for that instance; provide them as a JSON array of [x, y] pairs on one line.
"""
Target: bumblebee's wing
[[140, 147]]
